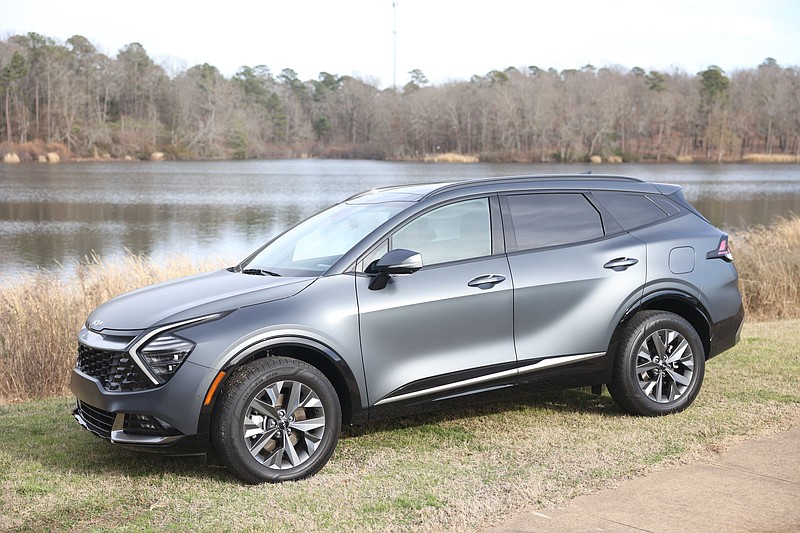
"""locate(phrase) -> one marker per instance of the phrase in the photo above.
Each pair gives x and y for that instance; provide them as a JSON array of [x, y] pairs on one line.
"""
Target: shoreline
[[442, 158]]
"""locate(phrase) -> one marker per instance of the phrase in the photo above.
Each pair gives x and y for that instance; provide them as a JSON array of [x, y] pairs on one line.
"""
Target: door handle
[[621, 263], [486, 282]]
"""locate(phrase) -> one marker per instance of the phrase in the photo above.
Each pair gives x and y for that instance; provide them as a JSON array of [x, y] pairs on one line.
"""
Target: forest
[[69, 99]]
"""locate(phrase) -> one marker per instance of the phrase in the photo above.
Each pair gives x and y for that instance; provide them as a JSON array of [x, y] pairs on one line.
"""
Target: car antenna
[[586, 172]]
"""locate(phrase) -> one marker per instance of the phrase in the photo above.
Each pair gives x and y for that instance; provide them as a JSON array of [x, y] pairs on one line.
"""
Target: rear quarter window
[[667, 205], [631, 210]]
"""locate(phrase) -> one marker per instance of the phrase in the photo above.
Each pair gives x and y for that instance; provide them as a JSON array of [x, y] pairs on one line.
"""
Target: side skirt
[[493, 383]]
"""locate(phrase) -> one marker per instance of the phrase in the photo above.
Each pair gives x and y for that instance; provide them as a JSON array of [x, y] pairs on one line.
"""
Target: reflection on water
[[61, 213], [739, 213]]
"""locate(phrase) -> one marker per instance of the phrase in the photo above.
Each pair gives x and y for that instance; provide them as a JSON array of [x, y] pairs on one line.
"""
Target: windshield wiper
[[260, 272]]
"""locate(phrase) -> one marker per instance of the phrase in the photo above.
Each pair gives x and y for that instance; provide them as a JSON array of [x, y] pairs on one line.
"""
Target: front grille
[[97, 421], [115, 370]]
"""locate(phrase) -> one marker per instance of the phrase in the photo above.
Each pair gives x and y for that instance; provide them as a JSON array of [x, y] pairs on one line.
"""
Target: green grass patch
[[444, 471]]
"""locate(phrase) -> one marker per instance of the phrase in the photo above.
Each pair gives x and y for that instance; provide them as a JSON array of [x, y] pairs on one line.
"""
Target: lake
[[59, 214]]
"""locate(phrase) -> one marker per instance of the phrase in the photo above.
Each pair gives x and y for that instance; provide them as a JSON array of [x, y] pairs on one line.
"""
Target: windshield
[[313, 246]]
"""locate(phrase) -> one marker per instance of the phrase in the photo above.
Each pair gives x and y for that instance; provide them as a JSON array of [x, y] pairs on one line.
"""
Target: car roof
[[421, 191]]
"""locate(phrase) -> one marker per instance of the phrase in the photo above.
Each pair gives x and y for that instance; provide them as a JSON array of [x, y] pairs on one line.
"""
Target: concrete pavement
[[753, 486]]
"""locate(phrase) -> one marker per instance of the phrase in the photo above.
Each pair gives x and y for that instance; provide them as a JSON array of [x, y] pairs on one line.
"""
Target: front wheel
[[278, 420], [659, 365]]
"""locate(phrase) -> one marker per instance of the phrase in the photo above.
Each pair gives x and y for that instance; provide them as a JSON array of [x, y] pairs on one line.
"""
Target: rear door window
[[552, 219]]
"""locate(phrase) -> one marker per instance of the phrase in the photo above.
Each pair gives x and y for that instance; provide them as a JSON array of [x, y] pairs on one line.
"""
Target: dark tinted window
[[551, 219], [630, 210], [667, 205]]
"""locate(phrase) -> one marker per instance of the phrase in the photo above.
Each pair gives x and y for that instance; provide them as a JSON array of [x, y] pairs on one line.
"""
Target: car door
[[446, 329], [574, 278]]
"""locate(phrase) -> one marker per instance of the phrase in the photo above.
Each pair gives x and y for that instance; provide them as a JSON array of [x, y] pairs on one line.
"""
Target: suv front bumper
[[157, 419]]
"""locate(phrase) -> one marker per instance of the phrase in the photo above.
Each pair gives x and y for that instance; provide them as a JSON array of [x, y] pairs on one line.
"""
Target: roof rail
[[511, 179]]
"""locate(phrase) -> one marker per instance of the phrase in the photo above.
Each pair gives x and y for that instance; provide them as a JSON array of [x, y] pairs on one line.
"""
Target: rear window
[[541, 220], [631, 210]]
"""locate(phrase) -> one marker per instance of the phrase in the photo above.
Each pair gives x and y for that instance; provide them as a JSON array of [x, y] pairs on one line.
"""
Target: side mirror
[[398, 261]]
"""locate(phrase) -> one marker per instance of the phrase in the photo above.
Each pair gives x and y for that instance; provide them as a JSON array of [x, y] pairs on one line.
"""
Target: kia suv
[[412, 298]]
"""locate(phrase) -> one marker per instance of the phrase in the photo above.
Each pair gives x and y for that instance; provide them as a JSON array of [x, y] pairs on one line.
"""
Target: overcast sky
[[445, 39]]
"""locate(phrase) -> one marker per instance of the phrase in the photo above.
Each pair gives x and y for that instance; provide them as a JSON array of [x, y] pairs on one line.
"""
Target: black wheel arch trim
[[327, 360], [688, 306]]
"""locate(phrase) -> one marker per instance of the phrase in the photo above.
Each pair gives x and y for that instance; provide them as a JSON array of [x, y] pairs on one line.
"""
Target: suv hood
[[191, 297]]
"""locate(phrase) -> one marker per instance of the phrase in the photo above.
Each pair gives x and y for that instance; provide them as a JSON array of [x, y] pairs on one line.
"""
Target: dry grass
[[768, 261], [35, 150], [41, 313], [771, 158], [450, 157]]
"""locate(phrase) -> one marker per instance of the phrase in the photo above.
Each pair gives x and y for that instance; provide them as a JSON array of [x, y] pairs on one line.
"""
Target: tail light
[[723, 250]]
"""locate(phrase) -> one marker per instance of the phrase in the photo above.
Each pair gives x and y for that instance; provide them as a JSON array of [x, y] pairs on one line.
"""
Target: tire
[[278, 419], [659, 365]]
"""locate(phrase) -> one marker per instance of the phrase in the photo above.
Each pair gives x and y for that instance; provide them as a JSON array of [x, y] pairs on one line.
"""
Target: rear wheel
[[659, 365], [279, 419]]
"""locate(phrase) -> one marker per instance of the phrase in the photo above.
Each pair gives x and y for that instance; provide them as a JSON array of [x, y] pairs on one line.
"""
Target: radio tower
[[394, 37]]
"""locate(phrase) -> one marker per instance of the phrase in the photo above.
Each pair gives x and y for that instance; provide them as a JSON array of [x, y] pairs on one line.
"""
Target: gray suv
[[411, 298]]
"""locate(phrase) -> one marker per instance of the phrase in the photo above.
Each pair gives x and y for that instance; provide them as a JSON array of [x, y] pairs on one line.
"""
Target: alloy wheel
[[284, 424], [664, 365]]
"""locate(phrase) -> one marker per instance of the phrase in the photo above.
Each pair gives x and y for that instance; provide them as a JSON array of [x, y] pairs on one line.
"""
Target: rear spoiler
[[675, 193]]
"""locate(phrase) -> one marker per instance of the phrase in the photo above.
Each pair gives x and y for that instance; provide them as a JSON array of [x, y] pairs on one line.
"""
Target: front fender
[[299, 345]]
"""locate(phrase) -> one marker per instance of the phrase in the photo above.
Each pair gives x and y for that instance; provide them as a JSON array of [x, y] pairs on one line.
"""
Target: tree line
[[70, 98]]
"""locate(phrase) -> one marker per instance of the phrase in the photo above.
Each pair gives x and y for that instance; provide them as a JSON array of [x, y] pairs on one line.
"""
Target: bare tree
[[70, 93]]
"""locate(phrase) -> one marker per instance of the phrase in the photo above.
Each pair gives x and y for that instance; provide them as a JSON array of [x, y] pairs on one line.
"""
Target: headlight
[[159, 353], [165, 353]]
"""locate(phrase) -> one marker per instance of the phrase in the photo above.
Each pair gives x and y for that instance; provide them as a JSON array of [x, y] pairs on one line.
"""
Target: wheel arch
[[322, 357], [682, 304]]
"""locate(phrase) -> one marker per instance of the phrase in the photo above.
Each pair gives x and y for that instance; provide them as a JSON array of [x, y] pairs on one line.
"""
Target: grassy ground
[[453, 471]]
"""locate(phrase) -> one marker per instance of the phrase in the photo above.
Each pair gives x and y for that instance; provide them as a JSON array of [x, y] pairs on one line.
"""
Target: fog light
[[137, 424]]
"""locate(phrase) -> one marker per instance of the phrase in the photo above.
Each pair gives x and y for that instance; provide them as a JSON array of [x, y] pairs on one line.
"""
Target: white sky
[[446, 39]]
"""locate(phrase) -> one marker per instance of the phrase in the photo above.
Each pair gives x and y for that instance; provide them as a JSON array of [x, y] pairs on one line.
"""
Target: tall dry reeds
[[768, 261], [450, 157], [771, 158], [41, 313]]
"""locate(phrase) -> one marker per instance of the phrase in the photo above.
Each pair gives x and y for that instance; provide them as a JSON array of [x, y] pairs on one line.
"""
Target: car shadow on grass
[[560, 401], [44, 437]]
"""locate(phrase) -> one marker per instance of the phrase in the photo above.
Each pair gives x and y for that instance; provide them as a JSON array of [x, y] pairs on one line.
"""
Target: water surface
[[59, 214]]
